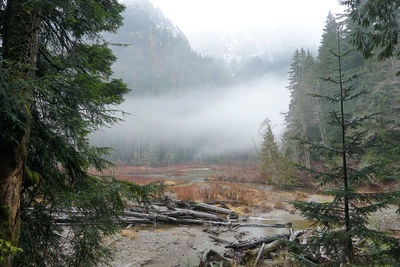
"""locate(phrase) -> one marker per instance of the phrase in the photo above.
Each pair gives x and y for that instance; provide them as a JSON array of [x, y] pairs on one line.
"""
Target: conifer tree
[[56, 87], [378, 28], [345, 218], [300, 113], [277, 169]]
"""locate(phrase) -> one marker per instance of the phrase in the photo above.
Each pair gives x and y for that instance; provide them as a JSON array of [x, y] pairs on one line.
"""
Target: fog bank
[[208, 122]]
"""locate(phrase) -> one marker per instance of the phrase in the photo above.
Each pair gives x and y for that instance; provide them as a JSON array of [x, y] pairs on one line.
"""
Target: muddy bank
[[168, 246], [164, 245]]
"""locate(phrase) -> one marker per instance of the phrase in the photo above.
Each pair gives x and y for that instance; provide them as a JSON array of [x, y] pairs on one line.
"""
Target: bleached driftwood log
[[259, 255], [199, 214], [272, 246], [295, 235], [255, 243], [275, 225], [207, 207], [151, 216]]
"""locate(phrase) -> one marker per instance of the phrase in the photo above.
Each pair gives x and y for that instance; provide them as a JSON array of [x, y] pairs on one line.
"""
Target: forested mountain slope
[[158, 57], [308, 116]]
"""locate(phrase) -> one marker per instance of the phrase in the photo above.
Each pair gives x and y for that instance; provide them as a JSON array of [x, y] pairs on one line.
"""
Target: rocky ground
[[181, 245], [169, 246], [177, 246]]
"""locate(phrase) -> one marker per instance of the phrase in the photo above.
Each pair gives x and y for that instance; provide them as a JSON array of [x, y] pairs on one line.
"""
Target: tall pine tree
[[300, 111], [345, 218], [56, 86]]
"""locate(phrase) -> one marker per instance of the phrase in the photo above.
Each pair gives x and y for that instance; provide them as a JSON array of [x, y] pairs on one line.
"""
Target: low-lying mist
[[207, 122]]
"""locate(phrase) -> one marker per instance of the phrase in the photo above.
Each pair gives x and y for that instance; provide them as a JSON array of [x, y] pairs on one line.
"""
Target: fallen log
[[260, 253], [136, 209], [152, 216], [199, 214], [173, 203], [271, 247], [256, 243], [173, 213], [136, 220], [159, 208], [147, 218], [295, 235], [157, 213], [275, 225], [206, 207]]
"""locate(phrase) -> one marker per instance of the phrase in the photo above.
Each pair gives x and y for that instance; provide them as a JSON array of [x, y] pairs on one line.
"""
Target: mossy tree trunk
[[20, 44]]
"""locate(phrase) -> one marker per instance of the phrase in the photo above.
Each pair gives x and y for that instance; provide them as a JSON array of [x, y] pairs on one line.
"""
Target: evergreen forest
[[132, 136]]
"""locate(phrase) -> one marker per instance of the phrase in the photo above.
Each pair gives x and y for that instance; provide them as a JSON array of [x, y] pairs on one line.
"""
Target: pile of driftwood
[[173, 211], [251, 252], [170, 211]]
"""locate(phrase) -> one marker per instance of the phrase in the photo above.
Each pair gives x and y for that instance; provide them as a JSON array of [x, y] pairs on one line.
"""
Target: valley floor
[[165, 245]]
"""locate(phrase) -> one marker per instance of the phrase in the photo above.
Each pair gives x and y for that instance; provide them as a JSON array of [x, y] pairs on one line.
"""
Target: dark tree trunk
[[349, 244], [20, 46]]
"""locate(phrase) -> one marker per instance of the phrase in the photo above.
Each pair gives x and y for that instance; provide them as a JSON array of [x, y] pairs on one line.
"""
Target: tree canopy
[[378, 28], [345, 217], [56, 87]]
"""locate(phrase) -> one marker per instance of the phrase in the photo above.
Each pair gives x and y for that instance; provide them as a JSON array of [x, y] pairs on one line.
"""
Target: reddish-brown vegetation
[[186, 192], [141, 180], [238, 172], [223, 185], [238, 195]]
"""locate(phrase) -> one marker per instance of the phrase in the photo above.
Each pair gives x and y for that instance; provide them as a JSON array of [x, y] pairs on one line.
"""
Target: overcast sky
[[231, 118], [231, 15], [274, 25]]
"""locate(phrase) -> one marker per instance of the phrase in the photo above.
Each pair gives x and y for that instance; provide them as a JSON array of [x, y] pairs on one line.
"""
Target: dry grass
[[230, 192], [278, 204], [239, 197], [130, 233], [221, 185], [238, 172], [187, 192]]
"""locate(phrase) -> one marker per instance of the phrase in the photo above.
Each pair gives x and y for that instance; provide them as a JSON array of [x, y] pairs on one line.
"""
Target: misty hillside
[[158, 57], [248, 55], [182, 99], [257, 66]]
